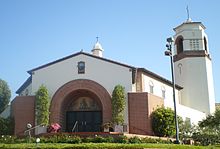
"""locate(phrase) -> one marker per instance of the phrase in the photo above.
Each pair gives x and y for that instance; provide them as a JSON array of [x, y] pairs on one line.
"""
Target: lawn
[[102, 146]]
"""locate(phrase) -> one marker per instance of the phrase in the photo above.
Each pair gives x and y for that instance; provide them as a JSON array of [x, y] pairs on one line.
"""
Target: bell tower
[[193, 66]]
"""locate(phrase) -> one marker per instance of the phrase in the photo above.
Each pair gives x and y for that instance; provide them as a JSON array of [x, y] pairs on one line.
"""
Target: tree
[[208, 131], [6, 126], [118, 105], [5, 95], [163, 123], [42, 106]]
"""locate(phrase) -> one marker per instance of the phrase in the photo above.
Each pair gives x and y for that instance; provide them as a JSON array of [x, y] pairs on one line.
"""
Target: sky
[[134, 32]]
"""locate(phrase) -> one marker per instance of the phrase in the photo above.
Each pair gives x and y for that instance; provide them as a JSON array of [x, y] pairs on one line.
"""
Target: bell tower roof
[[189, 25]]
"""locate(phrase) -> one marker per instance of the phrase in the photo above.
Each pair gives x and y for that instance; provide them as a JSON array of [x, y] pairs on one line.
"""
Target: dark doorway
[[83, 121]]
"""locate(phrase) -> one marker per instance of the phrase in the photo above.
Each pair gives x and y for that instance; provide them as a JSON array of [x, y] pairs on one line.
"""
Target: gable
[[76, 54]]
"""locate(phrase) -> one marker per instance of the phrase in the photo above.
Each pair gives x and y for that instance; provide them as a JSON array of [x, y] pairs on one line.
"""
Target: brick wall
[[23, 113], [140, 107], [72, 88]]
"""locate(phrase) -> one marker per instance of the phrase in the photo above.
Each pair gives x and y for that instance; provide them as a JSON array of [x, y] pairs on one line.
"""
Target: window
[[151, 85], [179, 44], [163, 91], [81, 67], [194, 44]]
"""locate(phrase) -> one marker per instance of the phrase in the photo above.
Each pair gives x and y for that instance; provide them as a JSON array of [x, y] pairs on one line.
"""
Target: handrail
[[74, 126], [28, 130]]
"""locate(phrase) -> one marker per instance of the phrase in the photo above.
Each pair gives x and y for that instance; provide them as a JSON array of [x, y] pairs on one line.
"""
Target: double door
[[83, 121]]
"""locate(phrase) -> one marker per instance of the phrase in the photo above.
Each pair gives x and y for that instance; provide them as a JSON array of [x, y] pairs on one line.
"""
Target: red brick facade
[[140, 107], [77, 88], [23, 111]]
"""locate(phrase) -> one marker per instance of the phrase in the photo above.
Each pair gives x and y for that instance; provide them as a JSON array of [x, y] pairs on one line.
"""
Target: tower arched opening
[[179, 44]]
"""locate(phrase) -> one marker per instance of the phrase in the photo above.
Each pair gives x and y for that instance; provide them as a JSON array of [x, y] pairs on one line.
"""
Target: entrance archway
[[76, 92]]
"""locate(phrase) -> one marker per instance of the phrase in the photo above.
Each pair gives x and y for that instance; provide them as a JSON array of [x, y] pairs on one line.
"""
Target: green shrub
[[42, 105], [6, 126], [109, 139], [7, 139], [121, 139], [134, 140], [205, 138], [163, 124], [98, 139], [87, 140], [118, 104]]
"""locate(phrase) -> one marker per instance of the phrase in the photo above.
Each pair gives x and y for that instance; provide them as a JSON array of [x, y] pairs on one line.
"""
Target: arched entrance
[[81, 101], [83, 112]]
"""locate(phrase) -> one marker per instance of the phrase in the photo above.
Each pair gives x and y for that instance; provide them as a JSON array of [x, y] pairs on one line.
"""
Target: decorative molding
[[184, 54]]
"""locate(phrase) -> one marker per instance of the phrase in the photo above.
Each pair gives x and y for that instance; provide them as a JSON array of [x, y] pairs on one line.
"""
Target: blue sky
[[35, 32]]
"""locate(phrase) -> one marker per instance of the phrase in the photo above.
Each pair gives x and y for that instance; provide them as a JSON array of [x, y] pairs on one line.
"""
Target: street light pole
[[169, 52]]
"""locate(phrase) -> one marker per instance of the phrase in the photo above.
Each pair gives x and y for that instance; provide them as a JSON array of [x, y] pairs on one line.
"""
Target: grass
[[101, 146]]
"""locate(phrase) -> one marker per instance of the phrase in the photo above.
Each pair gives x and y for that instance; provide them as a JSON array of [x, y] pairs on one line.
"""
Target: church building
[[80, 86]]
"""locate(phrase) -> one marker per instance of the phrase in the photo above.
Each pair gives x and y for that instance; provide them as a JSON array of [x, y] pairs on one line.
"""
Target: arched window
[[179, 44], [151, 86], [205, 44], [163, 91]]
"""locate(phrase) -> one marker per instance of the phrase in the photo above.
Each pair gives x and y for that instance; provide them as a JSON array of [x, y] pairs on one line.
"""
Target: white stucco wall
[[105, 73], [194, 115], [27, 91], [195, 76], [210, 82], [158, 86], [185, 112]]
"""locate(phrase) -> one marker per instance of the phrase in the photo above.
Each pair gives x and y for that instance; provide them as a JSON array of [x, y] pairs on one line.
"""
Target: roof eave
[[160, 78]]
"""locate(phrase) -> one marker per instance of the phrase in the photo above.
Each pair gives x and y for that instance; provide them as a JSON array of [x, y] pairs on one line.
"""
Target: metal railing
[[75, 126]]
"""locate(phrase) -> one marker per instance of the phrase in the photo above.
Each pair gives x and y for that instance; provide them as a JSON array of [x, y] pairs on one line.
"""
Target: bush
[[205, 138], [118, 104], [134, 140], [42, 105], [121, 139], [163, 123], [6, 126], [98, 139]]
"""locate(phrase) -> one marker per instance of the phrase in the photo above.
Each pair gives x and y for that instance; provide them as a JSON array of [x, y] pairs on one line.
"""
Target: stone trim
[[185, 54]]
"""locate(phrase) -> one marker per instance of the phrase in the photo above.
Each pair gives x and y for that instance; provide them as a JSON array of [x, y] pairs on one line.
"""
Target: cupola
[[97, 49]]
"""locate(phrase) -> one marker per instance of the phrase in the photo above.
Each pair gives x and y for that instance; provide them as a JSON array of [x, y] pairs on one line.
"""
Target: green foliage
[[121, 139], [99, 146], [6, 126], [42, 106], [163, 123], [212, 122], [208, 131], [205, 139], [5, 95], [72, 139], [118, 104], [186, 130], [134, 140]]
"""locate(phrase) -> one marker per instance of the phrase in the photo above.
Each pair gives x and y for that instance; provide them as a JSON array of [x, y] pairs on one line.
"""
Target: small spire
[[188, 15], [97, 48], [97, 39]]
